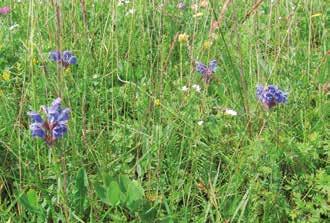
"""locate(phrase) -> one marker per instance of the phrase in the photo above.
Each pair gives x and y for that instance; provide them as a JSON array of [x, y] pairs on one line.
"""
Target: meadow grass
[[139, 149]]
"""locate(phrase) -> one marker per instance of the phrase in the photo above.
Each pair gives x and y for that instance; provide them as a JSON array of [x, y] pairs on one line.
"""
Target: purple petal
[[268, 97], [272, 89], [36, 118], [201, 68], [280, 97], [53, 111], [52, 116], [37, 130], [73, 60], [56, 104], [59, 131], [64, 115], [260, 92], [55, 56], [213, 65], [67, 55]]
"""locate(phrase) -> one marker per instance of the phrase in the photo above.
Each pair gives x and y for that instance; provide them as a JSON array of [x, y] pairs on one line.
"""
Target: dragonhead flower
[[55, 124], [271, 95], [64, 58], [206, 71], [4, 10]]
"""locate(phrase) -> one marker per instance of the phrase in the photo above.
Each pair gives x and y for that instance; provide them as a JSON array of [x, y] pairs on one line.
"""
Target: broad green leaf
[[101, 193], [30, 201], [135, 191], [108, 179], [147, 212], [114, 193], [124, 181]]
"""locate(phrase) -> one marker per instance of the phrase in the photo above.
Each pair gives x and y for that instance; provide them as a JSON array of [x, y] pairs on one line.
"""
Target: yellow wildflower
[[183, 38], [6, 75], [1, 92], [157, 102], [153, 197], [207, 44], [67, 70], [34, 61]]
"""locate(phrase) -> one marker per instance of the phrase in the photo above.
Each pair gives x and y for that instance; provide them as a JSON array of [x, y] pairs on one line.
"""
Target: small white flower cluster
[[200, 123], [196, 87], [230, 112], [122, 2], [184, 88]]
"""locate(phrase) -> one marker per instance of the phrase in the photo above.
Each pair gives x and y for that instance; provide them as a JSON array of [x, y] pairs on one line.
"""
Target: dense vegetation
[[149, 139]]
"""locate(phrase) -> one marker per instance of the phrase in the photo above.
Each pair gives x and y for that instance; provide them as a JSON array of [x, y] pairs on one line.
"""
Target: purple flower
[[55, 56], [4, 10], [65, 58], [206, 71], [271, 95], [55, 124]]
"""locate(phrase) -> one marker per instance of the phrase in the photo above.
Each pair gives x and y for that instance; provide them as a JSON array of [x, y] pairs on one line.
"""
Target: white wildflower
[[196, 87], [184, 88], [230, 112]]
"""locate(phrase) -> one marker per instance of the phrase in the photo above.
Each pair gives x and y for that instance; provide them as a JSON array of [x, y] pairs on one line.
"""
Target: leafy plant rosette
[[122, 192]]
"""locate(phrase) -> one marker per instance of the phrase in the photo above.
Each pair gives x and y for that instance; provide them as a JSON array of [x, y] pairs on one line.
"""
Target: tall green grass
[[134, 134]]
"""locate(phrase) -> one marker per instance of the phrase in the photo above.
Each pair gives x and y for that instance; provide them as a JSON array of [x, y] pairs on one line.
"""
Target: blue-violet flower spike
[[55, 56], [271, 95], [55, 124], [206, 71], [64, 58]]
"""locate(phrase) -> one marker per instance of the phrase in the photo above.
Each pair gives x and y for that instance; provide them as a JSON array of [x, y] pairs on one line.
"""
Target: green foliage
[[127, 194], [81, 189], [141, 147], [30, 201]]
